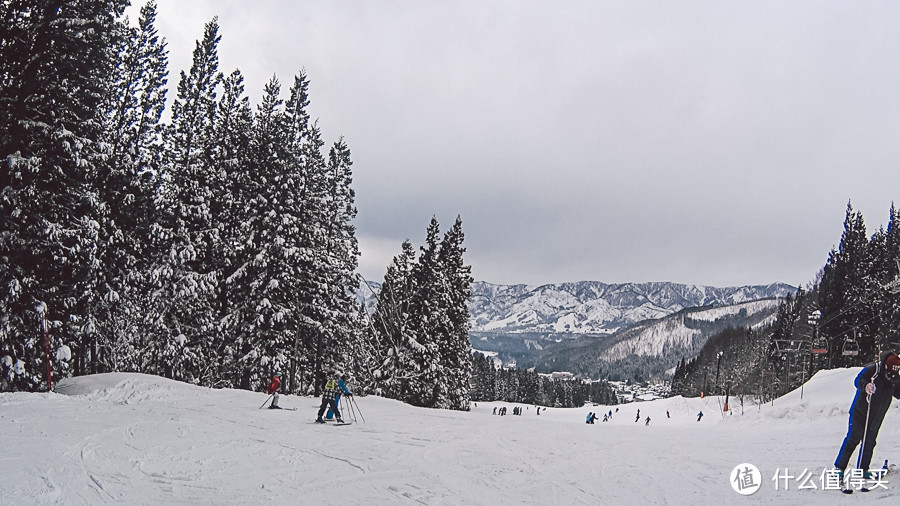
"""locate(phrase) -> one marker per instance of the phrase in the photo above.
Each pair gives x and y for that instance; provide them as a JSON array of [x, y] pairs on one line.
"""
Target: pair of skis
[[295, 409], [336, 424]]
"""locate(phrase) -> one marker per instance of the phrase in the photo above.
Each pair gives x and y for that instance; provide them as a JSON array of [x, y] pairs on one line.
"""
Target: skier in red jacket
[[274, 386]]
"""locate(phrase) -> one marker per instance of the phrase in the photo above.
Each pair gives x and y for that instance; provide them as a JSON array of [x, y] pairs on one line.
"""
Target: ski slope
[[142, 440]]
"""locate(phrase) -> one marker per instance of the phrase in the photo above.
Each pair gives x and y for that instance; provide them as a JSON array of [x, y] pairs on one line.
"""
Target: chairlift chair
[[784, 346], [819, 342], [851, 347]]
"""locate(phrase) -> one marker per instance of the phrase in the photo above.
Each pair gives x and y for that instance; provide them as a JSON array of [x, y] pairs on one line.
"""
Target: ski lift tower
[[786, 348], [817, 346]]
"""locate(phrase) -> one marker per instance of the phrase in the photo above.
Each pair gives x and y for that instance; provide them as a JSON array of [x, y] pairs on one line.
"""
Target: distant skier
[[330, 390], [648, 421], [274, 386], [667, 414], [875, 389], [495, 410], [342, 389], [699, 416], [587, 419]]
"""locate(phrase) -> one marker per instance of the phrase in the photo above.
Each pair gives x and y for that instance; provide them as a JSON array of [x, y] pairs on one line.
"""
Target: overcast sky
[[706, 142]]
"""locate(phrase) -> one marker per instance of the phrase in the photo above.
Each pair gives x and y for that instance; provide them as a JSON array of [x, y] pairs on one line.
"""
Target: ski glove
[[870, 388]]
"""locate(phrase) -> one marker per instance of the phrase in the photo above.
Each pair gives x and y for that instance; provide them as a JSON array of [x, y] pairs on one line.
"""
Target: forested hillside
[[847, 317], [214, 246], [650, 350]]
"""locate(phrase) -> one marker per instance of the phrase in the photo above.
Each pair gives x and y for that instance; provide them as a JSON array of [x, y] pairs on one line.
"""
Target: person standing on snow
[[274, 386], [342, 389], [331, 389], [699, 416], [876, 387]]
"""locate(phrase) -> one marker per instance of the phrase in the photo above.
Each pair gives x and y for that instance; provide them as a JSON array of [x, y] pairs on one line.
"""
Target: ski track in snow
[[134, 439]]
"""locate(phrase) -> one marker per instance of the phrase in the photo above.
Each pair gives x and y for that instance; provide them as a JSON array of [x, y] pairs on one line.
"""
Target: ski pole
[[862, 445], [267, 400], [348, 412], [352, 410], [353, 400]]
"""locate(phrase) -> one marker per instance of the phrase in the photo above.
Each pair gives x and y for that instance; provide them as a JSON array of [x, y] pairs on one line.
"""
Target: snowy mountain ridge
[[647, 349], [592, 307], [677, 333]]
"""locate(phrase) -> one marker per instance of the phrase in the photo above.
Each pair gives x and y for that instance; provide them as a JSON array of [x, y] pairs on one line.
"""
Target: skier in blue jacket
[[876, 387], [342, 389], [330, 390]]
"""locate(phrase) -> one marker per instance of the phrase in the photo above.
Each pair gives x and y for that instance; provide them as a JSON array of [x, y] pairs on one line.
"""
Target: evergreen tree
[[186, 277], [846, 286], [232, 187], [299, 223], [130, 147], [455, 349], [320, 352], [390, 319], [210, 251], [427, 320], [58, 57], [341, 256], [885, 301], [422, 351]]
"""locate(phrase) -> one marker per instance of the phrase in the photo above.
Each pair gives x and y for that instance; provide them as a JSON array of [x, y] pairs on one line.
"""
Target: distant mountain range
[[596, 329], [591, 307]]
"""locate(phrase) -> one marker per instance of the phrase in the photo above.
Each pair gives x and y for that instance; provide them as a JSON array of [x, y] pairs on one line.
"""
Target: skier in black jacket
[[881, 391]]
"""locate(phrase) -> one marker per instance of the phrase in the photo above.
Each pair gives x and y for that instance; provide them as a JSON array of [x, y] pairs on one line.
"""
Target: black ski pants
[[855, 435], [328, 400]]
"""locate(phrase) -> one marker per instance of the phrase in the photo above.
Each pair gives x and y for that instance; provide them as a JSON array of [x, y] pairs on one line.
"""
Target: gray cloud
[[698, 142]]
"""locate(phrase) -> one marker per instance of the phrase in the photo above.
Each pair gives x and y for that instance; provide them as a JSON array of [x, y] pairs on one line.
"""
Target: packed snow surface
[[143, 440]]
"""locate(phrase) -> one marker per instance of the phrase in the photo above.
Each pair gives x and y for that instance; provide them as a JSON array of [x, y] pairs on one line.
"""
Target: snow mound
[[126, 388]]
